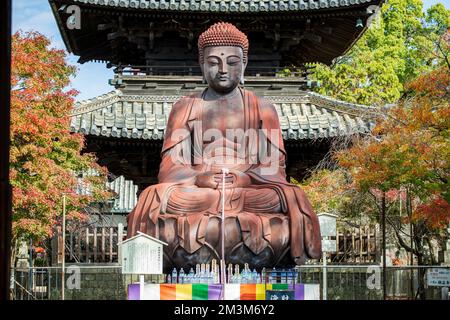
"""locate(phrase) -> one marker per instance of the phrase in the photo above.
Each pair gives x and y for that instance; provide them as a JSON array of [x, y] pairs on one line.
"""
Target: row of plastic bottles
[[207, 275], [246, 276], [204, 273], [191, 277], [282, 276]]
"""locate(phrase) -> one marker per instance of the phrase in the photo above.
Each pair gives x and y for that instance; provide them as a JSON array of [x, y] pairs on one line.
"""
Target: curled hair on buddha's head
[[222, 34]]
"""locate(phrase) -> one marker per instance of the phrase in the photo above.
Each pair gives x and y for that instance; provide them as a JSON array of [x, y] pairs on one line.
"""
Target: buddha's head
[[223, 53]]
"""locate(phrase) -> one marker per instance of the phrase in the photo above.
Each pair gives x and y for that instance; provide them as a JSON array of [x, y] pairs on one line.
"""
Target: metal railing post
[[324, 276]]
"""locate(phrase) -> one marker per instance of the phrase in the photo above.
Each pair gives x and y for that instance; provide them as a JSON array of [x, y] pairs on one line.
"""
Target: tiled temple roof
[[304, 116], [126, 191], [235, 6]]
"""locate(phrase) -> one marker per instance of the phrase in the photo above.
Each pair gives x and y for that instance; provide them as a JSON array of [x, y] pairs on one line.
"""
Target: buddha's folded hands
[[206, 180], [214, 179], [234, 179]]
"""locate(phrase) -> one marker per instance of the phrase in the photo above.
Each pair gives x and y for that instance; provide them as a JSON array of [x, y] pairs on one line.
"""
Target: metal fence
[[348, 282], [81, 283], [365, 282]]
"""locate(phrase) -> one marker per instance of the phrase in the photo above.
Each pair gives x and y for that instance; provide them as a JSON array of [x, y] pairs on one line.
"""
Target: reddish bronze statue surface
[[269, 221]]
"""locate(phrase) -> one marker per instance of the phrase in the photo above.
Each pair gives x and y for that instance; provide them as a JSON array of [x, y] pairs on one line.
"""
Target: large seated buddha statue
[[223, 148]]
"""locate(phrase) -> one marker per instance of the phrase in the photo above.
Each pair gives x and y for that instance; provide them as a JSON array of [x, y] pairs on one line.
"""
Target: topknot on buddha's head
[[222, 34]]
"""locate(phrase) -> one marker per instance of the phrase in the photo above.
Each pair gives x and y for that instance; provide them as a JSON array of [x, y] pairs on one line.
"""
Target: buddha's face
[[223, 67]]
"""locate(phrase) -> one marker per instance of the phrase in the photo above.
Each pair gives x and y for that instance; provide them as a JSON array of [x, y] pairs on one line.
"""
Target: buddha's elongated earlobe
[[203, 73], [242, 80]]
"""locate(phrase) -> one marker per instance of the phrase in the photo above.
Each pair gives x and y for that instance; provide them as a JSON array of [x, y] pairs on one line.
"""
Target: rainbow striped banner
[[245, 292], [258, 291], [175, 291], [213, 291]]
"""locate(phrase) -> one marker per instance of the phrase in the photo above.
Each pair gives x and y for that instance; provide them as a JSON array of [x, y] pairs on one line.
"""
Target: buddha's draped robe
[[182, 211]]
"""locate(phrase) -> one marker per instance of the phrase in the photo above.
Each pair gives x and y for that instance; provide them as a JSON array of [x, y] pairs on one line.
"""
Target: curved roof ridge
[[339, 103], [355, 109], [99, 102], [234, 6]]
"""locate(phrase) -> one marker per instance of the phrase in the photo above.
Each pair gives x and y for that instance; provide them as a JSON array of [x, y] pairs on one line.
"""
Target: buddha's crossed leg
[[255, 226], [190, 200]]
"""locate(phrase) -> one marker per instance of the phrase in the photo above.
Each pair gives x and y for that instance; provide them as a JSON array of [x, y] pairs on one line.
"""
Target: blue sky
[[92, 78]]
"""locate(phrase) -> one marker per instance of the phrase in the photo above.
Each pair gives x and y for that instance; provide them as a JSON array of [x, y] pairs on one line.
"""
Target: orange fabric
[[168, 291], [248, 291]]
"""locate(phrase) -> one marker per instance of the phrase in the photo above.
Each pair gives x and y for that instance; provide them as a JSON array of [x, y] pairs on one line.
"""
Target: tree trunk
[[416, 244], [433, 260], [12, 262], [383, 226], [421, 279], [13, 256]]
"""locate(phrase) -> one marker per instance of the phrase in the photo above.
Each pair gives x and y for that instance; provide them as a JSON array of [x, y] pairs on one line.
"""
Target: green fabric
[[199, 291], [280, 286]]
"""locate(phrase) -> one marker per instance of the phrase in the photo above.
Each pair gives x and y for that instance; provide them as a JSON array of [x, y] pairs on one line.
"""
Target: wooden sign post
[[327, 223], [142, 254]]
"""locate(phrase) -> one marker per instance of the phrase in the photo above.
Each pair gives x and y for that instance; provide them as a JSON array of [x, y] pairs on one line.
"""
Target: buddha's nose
[[223, 68]]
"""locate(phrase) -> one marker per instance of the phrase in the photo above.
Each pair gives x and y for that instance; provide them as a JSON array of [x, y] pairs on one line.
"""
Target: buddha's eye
[[232, 61], [213, 62]]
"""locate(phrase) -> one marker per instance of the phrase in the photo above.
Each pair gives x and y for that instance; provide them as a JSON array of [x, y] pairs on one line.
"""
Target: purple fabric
[[134, 291], [214, 291], [299, 292]]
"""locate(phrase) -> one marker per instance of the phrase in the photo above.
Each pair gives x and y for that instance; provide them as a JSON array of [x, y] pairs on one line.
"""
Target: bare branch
[[400, 239]]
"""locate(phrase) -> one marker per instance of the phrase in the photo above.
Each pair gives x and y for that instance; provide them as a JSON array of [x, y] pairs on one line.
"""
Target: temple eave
[[303, 116], [222, 7], [159, 32]]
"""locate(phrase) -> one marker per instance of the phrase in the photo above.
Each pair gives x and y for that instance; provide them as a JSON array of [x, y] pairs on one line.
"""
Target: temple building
[[152, 48]]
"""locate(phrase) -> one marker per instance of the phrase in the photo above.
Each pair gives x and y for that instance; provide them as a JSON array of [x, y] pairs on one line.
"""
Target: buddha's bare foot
[[300, 261]]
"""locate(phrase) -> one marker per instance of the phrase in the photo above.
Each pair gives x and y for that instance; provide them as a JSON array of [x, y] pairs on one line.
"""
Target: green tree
[[399, 45], [327, 190], [45, 156], [408, 152]]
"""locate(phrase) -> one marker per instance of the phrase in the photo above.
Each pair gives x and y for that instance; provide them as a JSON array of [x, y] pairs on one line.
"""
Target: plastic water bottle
[[273, 276], [258, 278], [283, 277], [248, 276], [197, 278], [243, 276], [290, 277], [254, 276], [236, 278], [208, 277], [182, 276], [191, 276], [174, 275], [203, 277], [237, 274]]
